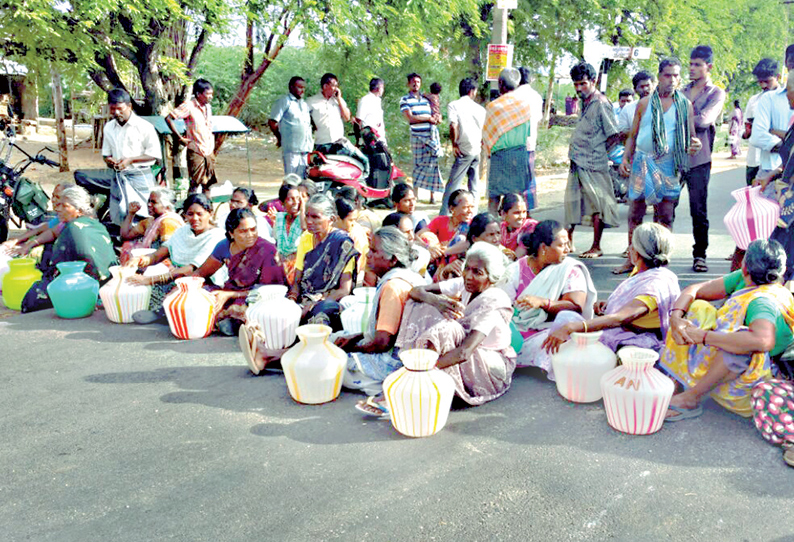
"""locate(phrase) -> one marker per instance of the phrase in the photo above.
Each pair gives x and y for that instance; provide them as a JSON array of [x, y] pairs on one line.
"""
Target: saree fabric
[[83, 239], [249, 268], [488, 373], [158, 231], [689, 363]]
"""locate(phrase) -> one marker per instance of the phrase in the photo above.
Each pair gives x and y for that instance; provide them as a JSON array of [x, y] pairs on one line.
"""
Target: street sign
[[506, 4], [621, 52], [499, 58]]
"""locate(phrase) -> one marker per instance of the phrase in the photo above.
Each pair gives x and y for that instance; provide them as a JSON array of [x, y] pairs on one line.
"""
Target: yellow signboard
[[499, 58]]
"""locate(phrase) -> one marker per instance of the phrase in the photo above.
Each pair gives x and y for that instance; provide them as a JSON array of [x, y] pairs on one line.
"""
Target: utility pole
[[498, 36]]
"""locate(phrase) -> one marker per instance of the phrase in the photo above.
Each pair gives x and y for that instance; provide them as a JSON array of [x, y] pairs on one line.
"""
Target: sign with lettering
[[499, 58]]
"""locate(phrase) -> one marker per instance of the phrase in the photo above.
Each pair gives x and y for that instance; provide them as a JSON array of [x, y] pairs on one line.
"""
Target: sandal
[[245, 341], [683, 413], [372, 407], [699, 265]]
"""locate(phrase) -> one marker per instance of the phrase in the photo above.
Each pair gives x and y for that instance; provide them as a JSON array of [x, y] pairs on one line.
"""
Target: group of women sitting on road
[[462, 285]]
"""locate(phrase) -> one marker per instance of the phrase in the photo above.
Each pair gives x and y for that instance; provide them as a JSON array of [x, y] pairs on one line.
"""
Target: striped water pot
[[579, 365], [122, 299], [636, 395], [190, 309], [752, 216]]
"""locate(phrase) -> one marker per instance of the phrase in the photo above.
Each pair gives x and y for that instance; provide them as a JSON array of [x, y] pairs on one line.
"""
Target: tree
[[151, 46]]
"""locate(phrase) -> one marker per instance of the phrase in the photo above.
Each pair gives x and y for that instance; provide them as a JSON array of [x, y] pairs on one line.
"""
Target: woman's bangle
[[706, 334], [683, 311], [548, 305], [584, 323]]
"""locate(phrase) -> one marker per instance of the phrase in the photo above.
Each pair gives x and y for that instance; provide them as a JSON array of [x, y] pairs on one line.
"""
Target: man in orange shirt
[[198, 138]]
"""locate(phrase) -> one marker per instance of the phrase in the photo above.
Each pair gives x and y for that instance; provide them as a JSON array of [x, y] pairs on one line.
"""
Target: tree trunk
[[60, 130], [549, 90]]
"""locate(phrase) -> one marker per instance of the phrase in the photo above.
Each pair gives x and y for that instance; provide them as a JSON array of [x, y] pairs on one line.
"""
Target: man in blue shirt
[[291, 123]]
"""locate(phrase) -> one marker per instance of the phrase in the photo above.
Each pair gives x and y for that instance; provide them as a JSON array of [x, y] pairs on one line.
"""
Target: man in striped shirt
[[425, 147]]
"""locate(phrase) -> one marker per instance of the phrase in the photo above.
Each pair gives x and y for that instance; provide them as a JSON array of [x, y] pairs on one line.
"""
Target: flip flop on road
[[591, 254], [373, 407], [683, 413]]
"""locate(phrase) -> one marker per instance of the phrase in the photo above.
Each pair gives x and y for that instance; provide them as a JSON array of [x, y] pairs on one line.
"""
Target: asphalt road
[[122, 433]]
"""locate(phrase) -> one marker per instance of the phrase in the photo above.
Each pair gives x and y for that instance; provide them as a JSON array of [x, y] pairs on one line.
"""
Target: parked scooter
[[21, 200], [331, 171]]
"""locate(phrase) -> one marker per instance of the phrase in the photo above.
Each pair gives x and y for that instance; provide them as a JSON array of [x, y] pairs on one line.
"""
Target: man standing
[[767, 75], [625, 97], [589, 196], [657, 151], [466, 118], [707, 101], [643, 83], [771, 120], [329, 114], [198, 138], [426, 148], [130, 147], [535, 100], [504, 135], [370, 109], [291, 123]]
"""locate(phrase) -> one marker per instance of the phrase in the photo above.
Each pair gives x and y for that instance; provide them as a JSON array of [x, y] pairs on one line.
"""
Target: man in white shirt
[[329, 113], [767, 74], [130, 148], [529, 94], [466, 118], [370, 110], [644, 84]]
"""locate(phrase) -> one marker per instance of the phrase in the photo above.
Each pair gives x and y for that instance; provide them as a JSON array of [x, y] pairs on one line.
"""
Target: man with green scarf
[[658, 147]]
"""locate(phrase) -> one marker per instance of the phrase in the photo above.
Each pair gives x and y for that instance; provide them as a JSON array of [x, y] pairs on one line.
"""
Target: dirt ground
[[266, 166]]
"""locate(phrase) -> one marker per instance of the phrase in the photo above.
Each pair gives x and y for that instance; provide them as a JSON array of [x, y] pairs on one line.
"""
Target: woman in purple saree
[[637, 313]]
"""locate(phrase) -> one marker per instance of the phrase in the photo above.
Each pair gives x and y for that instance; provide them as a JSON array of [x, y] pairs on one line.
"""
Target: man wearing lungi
[[130, 147], [508, 120], [589, 196], [425, 147], [198, 138], [660, 141]]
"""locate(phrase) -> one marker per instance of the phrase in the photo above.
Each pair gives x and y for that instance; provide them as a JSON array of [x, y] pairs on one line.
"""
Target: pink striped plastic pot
[[636, 395], [752, 216]]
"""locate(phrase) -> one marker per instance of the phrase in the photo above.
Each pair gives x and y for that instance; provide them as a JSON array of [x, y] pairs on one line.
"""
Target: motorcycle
[[21, 200], [332, 171]]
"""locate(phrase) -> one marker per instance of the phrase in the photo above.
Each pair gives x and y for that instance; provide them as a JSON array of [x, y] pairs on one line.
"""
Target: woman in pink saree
[[466, 320]]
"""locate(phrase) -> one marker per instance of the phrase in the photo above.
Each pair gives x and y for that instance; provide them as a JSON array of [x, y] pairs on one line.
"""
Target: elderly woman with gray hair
[[467, 321], [725, 352], [154, 230], [83, 239], [637, 313], [325, 265], [372, 356]]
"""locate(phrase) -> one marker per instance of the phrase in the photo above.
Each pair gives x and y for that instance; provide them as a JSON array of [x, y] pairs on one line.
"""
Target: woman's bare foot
[[591, 254], [627, 267]]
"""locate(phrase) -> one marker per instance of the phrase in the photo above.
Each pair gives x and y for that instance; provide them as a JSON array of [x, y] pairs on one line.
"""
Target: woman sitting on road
[[83, 238], [251, 262], [325, 265], [515, 223], [245, 198], [43, 235], [724, 353], [637, 313], [544, 284], [289, 225], [451, 230], [153, 231], [188, 248], [404, 199], [346, 216], [483, 227], [466, 320], [372, 356]]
